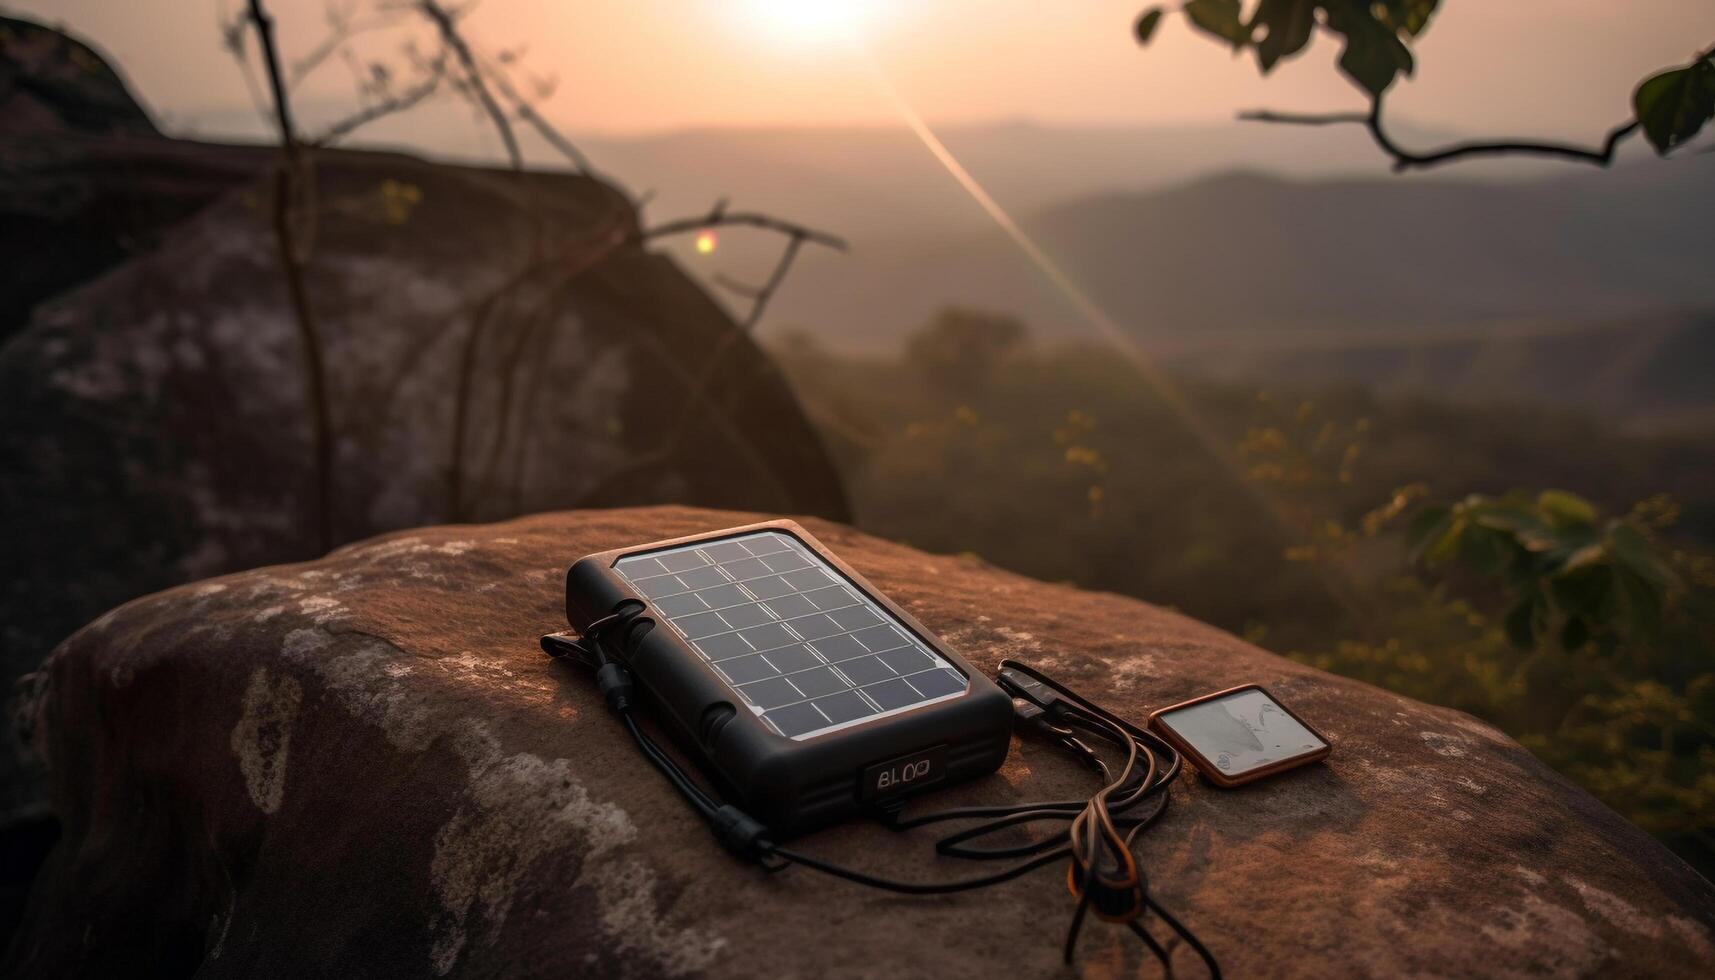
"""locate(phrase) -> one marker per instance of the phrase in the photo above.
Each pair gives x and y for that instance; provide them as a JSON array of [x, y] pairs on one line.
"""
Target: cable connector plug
[[616, 687], [740, 833], [1025, 688], [566, 645]]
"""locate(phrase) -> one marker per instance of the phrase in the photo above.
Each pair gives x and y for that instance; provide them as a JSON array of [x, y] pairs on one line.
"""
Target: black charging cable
[[1102, 874]]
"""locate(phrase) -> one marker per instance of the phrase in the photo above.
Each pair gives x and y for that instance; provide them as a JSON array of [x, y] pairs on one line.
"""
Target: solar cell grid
[[804, 648]]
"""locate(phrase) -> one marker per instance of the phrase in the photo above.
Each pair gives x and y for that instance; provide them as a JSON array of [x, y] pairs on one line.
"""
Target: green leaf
[[1565, 509], [1374, 54], [1427, 527], [1220, 18], [1520, 623], [1485, 550], [1588, 556], [1288, 24], [1517, 521], [1641, 606], [1631, 551], [1411, 16], [1673, 105], [1146, 25], [1586, 592]]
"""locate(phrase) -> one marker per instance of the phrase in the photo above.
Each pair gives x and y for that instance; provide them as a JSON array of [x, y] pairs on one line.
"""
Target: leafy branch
[[1406, 160], [1669, 108], [1571, 577]]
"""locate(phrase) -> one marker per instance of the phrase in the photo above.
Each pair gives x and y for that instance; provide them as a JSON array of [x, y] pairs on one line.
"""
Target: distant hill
[[1301, 239], [878, 184], [1647, 372], [873, 184]]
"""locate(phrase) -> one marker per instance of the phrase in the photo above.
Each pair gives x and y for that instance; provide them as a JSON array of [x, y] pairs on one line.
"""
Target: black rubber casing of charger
[[791, 786]]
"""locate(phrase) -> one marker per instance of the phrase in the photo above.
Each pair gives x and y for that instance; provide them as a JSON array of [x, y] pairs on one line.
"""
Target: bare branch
[[734, 286], [718, 216], [446, 22], [340, 32], [1304, 118], [398, 102], [796, 236], [766, 293], [1406, 160], [527, 112], [286, 179], [702, 383]]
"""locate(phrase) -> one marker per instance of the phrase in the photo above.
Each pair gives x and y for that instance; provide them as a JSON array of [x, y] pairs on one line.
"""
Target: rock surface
[[363, 766]]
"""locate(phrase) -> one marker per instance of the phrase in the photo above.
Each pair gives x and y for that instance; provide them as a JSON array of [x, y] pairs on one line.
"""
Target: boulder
[[364, 766], [496, 343]]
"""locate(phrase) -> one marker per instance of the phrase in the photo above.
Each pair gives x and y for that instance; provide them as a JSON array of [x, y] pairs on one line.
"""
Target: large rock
[[64, 219], [364, 766], [496, 343]]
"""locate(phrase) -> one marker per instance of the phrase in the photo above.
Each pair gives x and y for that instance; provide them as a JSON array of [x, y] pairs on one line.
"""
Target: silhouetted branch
[[315, 375], [718, 216], [398, 102], [1403, 159], [796, 236], [341, 29], [1406, 160], [527, 112], [734, 286], [703, 381], [445, 22]]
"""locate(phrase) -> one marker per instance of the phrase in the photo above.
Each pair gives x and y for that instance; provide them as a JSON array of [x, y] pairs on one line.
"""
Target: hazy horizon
[[751, 65]]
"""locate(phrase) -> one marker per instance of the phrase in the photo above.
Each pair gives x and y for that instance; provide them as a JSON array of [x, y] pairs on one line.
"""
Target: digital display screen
[[1241, 732]]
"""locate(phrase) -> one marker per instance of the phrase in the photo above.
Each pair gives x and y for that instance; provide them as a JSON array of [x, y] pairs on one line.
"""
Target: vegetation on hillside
[[1331, 526]]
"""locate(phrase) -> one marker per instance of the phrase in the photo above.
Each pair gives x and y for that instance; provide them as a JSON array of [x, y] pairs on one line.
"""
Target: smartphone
[[1239, 735]]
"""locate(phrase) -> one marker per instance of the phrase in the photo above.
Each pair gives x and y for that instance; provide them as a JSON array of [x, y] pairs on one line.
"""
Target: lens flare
[[706, 242], [1117, 337]]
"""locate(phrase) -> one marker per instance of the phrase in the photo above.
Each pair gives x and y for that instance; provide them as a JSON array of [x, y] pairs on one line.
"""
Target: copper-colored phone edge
[[1213, 774]]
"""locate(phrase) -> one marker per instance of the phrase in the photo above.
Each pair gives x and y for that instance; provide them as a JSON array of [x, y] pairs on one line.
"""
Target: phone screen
[[1241, 732]]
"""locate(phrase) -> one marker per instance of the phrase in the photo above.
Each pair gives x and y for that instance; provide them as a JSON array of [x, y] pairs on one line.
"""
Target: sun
[[812, 22]]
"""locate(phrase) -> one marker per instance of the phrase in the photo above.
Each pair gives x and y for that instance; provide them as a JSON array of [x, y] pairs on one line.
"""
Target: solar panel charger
[[805, 694], [807, 697]]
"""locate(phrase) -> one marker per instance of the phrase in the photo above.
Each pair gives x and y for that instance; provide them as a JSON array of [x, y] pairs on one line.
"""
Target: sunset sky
[[1548, 67]]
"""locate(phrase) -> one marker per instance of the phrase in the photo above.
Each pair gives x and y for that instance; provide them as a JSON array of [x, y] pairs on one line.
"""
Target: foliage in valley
[[1331, 526]]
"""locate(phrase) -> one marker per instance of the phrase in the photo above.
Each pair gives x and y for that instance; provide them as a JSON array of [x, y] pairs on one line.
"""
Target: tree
[[1669, 108], [959, 350]]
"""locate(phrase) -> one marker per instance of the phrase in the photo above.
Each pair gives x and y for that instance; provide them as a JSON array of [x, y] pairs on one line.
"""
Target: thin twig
[[315, 374], [735, 287], [768, 289], [445, 22], [527, 112], [719, 216], [703, 382], [399, 102], [340, 33]]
